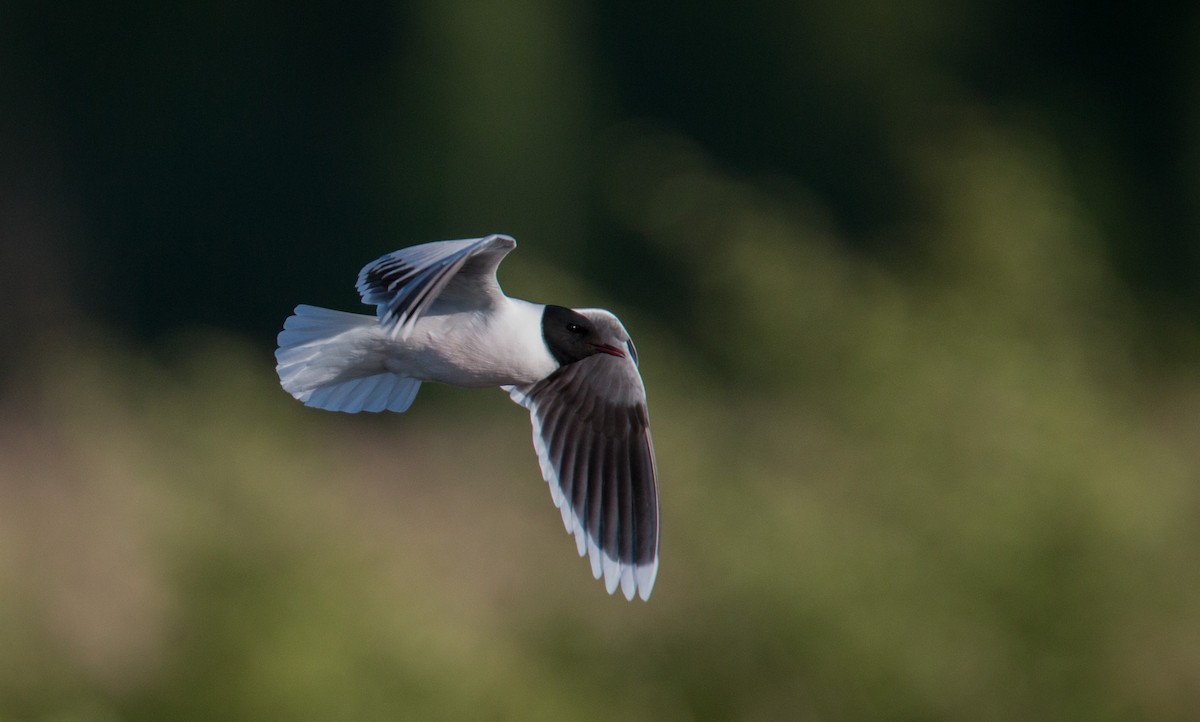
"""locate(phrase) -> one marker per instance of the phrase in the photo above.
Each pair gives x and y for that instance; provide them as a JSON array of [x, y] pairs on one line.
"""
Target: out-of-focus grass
[[955, 495]]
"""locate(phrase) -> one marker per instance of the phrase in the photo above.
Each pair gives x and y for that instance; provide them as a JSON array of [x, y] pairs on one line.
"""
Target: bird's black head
[[572, 336]]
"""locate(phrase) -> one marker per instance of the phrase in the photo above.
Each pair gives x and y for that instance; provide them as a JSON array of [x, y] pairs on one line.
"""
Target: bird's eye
[[576, 329]]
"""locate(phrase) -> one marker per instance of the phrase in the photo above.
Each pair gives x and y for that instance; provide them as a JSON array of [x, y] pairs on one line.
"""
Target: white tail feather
[[333, 360]]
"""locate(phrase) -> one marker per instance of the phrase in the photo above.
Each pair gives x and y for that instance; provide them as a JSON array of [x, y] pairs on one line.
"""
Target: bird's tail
[[334, 360]]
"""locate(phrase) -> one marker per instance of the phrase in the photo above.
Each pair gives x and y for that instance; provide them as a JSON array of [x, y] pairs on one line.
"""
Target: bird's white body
[[473, 349], [466, 348]]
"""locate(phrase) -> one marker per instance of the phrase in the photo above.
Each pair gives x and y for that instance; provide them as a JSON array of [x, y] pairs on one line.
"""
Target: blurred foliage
[[913, 292]]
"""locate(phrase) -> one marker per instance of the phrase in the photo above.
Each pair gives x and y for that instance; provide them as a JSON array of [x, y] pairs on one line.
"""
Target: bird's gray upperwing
[[592, 435], [403, 284]]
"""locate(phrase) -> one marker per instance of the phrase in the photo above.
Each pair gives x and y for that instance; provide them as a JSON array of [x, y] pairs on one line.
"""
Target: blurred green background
[[915, 288]]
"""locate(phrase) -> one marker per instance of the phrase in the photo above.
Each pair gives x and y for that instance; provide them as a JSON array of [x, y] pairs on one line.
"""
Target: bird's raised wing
[[592, 436], [405, 283]]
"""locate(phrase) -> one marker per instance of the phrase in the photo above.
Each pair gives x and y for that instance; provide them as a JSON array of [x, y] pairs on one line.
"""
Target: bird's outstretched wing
[[592, 435], [405, 283]]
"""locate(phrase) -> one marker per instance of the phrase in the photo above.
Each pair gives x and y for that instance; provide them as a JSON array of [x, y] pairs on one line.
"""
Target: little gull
[[441, 316]]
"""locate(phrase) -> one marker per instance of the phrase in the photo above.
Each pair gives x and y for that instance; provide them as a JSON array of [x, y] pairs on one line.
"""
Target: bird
[[442, 317]]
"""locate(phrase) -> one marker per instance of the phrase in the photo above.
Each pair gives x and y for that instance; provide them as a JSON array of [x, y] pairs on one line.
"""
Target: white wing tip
[[644, 578], [594, 558], [631, 579], [612, 573], [628, 583], [580, 538]]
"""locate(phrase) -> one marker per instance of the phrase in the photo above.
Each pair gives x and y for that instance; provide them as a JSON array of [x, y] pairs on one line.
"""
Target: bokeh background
[[915, 285]]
